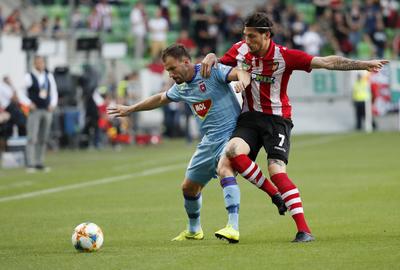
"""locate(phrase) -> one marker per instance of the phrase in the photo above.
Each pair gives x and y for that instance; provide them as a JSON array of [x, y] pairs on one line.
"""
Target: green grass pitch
[[350, 186]]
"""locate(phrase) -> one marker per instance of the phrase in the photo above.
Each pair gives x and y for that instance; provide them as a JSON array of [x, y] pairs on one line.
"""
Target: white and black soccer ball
[[87, 237]]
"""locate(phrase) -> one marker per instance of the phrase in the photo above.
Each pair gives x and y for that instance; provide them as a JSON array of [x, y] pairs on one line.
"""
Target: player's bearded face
[[176, 69]]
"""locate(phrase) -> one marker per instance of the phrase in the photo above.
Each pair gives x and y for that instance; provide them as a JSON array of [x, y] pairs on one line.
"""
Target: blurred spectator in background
[[282, 35], [396, 45], [312, 40], [4, 117], [158, 28], [34, 30], [201, 25], [57, 29], [171, 112], [164, 4], [379, 38], [390, 12], [138, 25], [13, 23], [219, 19], [9, 102], [320, 7], [186, 41], [235, 26], [104, 12], [89, 83], [94, 21], [372, 14], [298, 27], [325, 26], [45, 26], [365, 49], [185, 14], [355, 19], [361, 95], [188, 115], [1, 19], [133, 95], [77, 21], [341, 32], [41, 96]]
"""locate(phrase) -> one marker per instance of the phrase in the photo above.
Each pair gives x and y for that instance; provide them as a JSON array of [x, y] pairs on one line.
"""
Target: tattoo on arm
[[342, 63], [277, 162]]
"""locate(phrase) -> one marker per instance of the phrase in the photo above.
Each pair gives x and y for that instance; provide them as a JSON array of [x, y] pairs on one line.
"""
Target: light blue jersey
[[213, 102]]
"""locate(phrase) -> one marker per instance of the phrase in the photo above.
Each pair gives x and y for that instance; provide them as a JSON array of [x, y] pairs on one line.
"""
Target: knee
[[231, 150], [224, 171], [190, 189], [276, 166]]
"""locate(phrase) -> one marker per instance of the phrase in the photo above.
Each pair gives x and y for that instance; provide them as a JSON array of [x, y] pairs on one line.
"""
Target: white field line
[[125, 177], [101, 181]]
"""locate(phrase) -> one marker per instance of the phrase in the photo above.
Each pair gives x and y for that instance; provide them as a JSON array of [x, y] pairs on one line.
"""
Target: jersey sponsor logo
[[262, 78], [245, 65], [202, 108], [202, 86]]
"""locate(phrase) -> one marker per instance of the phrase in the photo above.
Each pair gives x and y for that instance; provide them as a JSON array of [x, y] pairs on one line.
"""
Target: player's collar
[[270, 50], [196, 70]]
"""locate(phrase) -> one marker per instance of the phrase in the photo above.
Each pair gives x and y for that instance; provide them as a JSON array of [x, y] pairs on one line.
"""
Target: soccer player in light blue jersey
[[213, 102]]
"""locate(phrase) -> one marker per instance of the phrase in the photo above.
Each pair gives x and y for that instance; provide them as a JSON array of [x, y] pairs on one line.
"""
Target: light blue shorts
[[203, 165]]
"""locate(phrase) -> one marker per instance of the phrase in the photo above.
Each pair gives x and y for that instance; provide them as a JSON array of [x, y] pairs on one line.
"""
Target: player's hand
[[375, 65], [118, 110], [240, 86], [208, 61]]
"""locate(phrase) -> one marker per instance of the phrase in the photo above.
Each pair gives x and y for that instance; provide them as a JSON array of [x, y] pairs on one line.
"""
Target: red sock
[[291, 196], [250, 170]]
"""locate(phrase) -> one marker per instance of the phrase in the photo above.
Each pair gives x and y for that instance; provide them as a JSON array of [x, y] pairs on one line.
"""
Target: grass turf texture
[[349, 185]]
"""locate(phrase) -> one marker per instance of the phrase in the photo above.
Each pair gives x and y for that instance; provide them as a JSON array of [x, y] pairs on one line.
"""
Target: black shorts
[[271, 131]]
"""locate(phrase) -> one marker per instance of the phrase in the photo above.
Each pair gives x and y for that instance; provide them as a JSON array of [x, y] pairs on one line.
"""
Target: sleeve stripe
[[227, 74]]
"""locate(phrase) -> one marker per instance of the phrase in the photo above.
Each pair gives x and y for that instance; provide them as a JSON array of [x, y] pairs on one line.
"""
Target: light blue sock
[[232, 200], [193, 206]]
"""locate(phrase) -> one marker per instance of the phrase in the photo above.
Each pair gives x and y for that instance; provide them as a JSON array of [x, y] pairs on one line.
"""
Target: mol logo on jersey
[[202, 108]]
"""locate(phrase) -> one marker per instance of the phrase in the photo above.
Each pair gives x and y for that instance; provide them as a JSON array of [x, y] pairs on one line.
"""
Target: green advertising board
[[325, 83]]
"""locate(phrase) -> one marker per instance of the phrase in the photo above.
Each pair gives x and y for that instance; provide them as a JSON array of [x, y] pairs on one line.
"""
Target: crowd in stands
[[363, 29]]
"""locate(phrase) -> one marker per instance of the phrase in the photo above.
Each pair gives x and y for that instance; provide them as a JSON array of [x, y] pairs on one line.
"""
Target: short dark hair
[[260, 21], [176, 51]]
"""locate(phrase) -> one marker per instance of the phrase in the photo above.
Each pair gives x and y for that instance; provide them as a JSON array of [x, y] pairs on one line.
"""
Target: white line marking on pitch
[[101, 181], [124, 177]]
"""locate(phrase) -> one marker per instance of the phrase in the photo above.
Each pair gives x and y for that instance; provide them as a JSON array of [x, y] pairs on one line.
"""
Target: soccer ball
[[87, 237]]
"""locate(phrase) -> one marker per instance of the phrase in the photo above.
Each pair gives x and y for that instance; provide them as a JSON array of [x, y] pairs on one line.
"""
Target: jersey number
[[282, 137]]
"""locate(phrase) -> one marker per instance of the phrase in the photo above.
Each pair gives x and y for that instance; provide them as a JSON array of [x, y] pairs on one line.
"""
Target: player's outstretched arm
[[243, 78], [209, 61], [341, 63], [149, 103]]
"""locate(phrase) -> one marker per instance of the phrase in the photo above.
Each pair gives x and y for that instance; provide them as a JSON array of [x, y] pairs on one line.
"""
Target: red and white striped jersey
[[270, 76]]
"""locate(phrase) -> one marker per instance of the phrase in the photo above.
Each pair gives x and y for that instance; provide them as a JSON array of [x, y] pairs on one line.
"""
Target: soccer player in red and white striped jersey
[[266, 115]]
